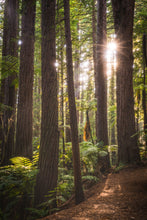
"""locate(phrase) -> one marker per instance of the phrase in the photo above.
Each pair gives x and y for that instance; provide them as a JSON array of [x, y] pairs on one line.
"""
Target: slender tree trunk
[[144, 98], [62, 109], [25, 95], [79, 195], [67, 124], [94, 38], [8, 89], [77, 72], [62, 98], [101, 80], [112, 101], [128, 151], [48, 158], [82, 105], [36, 105]]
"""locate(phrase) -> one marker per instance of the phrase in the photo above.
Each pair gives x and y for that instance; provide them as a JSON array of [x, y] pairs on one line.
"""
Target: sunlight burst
[[111, 56]]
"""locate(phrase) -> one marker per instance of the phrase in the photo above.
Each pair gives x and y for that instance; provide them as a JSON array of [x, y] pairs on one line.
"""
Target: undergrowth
[[17, 182]]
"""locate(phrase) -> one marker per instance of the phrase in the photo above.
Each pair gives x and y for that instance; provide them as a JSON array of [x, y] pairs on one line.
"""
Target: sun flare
[[111, 56]]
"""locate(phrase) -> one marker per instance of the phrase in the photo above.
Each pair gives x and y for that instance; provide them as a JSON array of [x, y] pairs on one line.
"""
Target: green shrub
[[16, 188]]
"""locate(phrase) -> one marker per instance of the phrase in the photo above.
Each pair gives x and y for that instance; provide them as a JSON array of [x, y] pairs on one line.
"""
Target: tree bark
[[101, 77], [144, 95], [8, 87], [48, 157], [26, 74], [79, 195], [94, 37], [101, 80], [128, 151], [62, 95]]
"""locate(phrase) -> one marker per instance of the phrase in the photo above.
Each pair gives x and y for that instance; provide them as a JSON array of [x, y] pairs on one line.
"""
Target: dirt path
[[123, 197]]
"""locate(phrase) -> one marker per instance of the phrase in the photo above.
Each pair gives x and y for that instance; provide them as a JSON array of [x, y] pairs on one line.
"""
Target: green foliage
[[91, 178], [65, 175], [89, 155], [65, 186], [119, 167], [68, 156], [44, 208], [37, 213], [9, 67], [21, 162], [89, 158], [16, 188], [17, 181]]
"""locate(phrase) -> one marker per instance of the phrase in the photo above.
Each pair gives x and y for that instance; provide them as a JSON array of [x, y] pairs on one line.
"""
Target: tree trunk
[[37, 105], [94, 37], [25, 95], [48, 158], [112, 114], [101, 77], [67, 123], [101, 80], [9, 68], [79, 195], [77, 72], [62, 96], [128, 151], [144, 98]]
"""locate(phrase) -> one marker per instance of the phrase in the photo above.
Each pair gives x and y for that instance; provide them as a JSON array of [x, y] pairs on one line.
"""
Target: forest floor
[[119, 196]]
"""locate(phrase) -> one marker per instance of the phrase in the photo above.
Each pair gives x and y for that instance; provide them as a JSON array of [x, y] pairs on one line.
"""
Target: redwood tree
[[79, 195], [8, 77], [101, 81], [128, 151], [144, 98], [48, 157], [25, 94], [94, 36], [101, 77]]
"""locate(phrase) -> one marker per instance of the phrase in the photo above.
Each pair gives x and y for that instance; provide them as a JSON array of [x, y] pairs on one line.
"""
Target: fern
[[16, 187], [91, 178], [21, 162]]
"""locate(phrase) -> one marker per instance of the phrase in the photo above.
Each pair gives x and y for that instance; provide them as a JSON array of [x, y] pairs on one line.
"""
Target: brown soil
[[121, 196]]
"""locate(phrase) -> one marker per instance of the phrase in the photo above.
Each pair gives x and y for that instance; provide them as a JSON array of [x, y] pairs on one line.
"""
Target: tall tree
[[62, 102], [8, 77], [37, 75], [60, 58], [112, 102], [48, 158], [79, 195], [144, 98], [25, 94], [77, 71], [128, 151], [94, 36], [101, 77], [101, 80]]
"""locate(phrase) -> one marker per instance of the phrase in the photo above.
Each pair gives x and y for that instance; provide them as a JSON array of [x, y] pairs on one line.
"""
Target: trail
[[122, 197]]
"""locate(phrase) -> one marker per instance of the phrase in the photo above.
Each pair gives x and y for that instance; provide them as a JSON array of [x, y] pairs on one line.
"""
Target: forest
[[73, 101]]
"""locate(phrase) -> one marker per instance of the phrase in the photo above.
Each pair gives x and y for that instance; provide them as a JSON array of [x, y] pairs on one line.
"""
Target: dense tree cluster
[[73, 94]]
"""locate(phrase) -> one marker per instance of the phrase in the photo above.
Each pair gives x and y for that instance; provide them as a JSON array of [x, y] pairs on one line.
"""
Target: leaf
[[103, 153], [21, 161], [91, 178]]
